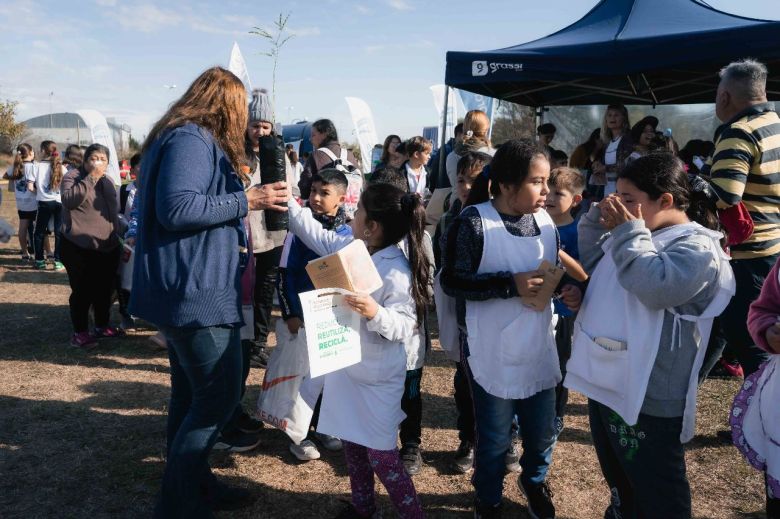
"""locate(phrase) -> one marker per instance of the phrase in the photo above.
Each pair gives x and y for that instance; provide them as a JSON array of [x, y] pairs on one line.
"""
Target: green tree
[[9, 127]]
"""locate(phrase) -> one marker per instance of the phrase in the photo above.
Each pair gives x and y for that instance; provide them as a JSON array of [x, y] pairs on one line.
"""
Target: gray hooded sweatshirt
[[683, 277]]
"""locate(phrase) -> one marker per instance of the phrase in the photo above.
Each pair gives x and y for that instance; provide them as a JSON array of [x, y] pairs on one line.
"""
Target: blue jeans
[[205, 390], [47, 211], [493, 417]]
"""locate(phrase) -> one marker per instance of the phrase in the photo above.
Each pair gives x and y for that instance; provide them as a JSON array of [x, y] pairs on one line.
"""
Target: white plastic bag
[[288, 397], [126, 267], [446, 313]]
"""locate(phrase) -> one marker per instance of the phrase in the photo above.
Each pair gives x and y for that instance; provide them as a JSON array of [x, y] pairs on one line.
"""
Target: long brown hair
[[50, 153], [216, 101], [478, 123], [402, 214], [24, 153], [386, 148]]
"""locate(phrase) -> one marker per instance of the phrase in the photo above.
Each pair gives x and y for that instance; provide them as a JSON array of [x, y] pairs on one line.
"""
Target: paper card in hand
[[351, 268], [551, 276]]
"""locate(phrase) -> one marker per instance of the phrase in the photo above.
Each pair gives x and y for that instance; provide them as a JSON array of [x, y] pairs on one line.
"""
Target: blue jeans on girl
[[47, 211], [493, 417], [205, 390]]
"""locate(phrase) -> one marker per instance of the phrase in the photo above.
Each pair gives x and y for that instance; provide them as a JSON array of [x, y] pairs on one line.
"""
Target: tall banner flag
[[101, 134], [472, 101], [452, 109], [365, 130], [237, 66]]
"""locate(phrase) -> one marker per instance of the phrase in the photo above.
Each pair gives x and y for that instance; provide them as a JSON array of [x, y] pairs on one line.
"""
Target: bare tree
[[276, 42], [512, 121]]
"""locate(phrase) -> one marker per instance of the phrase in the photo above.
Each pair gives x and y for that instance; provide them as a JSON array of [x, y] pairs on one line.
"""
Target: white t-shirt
[[416, 185], [42, 179], [25, 199], [610, 159]]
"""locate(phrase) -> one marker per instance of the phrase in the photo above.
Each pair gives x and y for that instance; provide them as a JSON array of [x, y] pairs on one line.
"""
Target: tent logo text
[[481, 68]]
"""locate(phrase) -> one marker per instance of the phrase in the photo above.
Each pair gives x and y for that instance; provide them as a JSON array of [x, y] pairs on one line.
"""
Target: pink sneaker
[[83, 340], [108, 332], [733, 369]]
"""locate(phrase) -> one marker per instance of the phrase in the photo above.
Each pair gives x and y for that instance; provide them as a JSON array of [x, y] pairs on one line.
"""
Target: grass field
[[83, 434]]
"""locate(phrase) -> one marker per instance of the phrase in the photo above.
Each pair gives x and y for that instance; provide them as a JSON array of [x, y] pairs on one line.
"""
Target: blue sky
[[116, 55]]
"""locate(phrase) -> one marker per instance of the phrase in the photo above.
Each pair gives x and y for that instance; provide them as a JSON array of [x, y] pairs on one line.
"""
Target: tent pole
[[443, 138]]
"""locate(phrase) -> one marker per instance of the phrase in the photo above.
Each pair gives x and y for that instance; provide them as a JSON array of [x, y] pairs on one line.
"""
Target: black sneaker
[[464, 457], [558, 425], [236, 441], [259, 356], [539, 497], [487, 512], [512, 458], [249, 425], [350, 513], [412, 458], [226, 498]]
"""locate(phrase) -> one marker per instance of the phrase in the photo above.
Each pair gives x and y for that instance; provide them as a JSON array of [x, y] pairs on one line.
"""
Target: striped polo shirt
[[746, 167]]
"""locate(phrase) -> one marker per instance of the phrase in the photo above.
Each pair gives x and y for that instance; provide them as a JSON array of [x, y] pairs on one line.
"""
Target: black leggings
[[91, 275]]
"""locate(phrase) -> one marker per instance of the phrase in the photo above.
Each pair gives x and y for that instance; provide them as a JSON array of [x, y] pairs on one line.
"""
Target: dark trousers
[[463, 404], [205, 390], [715, 347], [91, 275], [266, 269], [411, 404], [644, 464], [563, 332], [749, 275], [246, 353], [47, 211]]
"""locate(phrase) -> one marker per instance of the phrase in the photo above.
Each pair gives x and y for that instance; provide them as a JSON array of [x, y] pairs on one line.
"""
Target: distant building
[[69, 128]]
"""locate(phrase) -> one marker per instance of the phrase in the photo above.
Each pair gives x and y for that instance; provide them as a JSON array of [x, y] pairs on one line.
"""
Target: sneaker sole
[[220, 446]]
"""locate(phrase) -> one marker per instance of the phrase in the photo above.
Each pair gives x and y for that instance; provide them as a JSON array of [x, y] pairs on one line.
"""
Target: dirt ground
[[83, 434]]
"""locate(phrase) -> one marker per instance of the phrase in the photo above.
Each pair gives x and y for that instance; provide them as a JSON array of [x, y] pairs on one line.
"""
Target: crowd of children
[[633, 337]]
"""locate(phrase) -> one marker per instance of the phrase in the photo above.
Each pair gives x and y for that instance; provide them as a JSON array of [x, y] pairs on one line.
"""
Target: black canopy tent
[[632, 51]]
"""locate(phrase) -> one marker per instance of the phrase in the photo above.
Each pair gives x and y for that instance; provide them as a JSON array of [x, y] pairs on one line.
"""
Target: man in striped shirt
[[745, 167]]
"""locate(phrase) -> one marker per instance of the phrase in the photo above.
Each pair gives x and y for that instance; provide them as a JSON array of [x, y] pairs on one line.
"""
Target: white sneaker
[[306, 451], [329, 442]]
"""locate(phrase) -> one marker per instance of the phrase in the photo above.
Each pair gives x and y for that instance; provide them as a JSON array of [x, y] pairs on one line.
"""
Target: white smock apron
[[511, 346], [362, 403], [619, 379]]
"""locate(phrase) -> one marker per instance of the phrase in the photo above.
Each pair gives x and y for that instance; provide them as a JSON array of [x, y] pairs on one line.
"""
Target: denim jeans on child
[[205, 388], [493, 417], [47, 211], [644, 464]]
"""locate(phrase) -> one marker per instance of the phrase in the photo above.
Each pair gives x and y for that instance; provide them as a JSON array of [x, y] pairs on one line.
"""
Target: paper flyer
[[332, 331]]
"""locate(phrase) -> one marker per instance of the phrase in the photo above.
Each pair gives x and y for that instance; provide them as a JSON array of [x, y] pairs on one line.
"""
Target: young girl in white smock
[[361, 404], [658, 279]]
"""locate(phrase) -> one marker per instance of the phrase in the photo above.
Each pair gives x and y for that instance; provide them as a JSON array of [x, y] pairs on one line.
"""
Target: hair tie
[[699, 185], [55, 154], [469, 134], [486, 172]]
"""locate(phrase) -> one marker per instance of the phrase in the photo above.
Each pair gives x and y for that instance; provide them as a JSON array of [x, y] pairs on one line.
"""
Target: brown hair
[[478, 123], [568, 178], [50, 153], [216, 101], [23, 153], [386, 147], [416, 144]]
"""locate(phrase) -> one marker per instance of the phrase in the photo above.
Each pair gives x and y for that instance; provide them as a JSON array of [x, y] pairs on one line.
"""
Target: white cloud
[[362, 9], [106, 3], [400, 5], [146, 17], [40, 44]]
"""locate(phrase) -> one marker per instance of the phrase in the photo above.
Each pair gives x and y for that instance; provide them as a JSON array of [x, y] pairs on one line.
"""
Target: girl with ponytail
[[361, 404], [21, 177], [47, 191], [659, 278]]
